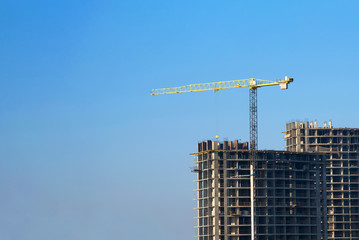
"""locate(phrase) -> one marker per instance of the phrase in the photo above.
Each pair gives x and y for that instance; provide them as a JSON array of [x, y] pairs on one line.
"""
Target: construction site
[[341, 146], [288, 188], [310, 191]]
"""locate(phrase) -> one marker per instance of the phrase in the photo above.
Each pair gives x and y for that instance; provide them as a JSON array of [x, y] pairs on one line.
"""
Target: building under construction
[[290, 202], [341, 145]]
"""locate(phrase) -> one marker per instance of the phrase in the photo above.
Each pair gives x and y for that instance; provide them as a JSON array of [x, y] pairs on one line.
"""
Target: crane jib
[[251, 83]]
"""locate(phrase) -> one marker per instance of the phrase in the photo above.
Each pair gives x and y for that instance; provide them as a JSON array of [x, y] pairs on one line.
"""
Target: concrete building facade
[[341, 145], [289, 193]]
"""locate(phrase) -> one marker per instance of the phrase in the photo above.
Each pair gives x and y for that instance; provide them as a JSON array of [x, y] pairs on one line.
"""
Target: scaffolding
[[288, 188], [341, 145]]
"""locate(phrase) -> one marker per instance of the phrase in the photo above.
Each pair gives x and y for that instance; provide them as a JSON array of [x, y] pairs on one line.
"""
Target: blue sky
[[87, 153]]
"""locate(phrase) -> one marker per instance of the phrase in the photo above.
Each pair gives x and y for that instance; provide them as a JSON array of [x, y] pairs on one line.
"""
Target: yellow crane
[[253, 84]]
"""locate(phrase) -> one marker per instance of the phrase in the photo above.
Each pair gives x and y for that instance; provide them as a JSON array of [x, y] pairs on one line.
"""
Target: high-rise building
[[288, 187], [341, 146]]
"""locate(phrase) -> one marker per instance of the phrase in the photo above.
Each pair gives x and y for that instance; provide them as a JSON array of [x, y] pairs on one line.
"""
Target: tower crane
[[253, 84]]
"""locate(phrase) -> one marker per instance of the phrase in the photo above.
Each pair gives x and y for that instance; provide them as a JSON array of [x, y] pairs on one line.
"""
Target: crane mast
[[253, 84], [253, 133]]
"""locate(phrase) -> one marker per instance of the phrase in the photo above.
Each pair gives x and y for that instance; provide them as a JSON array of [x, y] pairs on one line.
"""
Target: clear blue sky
[[87, 153]]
